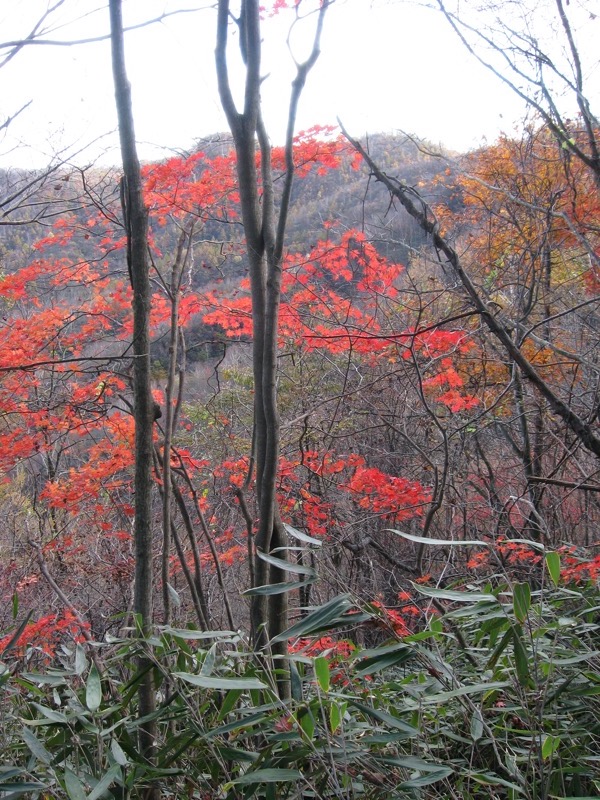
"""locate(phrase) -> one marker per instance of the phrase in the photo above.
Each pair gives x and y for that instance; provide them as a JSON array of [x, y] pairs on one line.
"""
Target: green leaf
[[457, 597], [318, 619], [113, 774], [336, 715], [288, 566], [307, 723], [302, 537], [521, 662], [270, 775], [553, 567], [15, 605], [184, 633], [10, 791], [118, 753], [411, 762], [442, 542], [521, 600], [35, 746], [174, 595], [93, 689], [243, 723], [73, 786], [41, 680], [80, 660], [209, 661], [471, 688], [384, 717], [277, 588], [436, 625], [476, 725], [550, 745], [207, 682], [228, 703], [492, 780], [54, 716], [534, 545], [427, 779], [321, 667], [295, 681], [391, 658], [500, 648]]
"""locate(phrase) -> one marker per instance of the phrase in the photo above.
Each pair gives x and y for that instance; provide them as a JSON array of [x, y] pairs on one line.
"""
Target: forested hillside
[[372, 552]]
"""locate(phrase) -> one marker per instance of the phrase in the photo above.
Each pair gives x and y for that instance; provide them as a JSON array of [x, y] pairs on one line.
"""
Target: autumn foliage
[[397, 411]]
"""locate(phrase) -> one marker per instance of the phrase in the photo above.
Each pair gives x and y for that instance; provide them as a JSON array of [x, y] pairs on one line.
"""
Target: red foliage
[[385, 494], [47, 634]]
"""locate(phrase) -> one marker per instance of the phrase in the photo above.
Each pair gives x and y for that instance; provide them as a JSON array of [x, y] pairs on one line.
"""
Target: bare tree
[[264, 227], [543, 67]]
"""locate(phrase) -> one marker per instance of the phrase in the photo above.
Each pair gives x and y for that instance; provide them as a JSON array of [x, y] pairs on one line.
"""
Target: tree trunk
[[135, 218], [264, 242]]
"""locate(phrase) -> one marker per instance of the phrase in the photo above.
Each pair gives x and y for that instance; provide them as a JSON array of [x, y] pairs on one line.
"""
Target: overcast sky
[[386, 65]]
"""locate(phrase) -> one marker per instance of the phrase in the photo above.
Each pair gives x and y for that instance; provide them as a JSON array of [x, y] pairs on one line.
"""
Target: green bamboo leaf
[[270, 775], [80, 660], [228, 703], [336, 714], [384, 717], [302, 537], [10, 791], [295, 681], [566, 662], [455, 596], [534, 545], [472, 688], [113, 774], [436, 625], [35, 746], [184, 633], [174, 595], [225, 684], [411, 762], [441, 542], [427, 779], [492, 780], [553, 567], [118, 753], [41, 680], [9, 772], [321, 667], [209, 661], [521, 600], [93, 689], [308, 724], [277, 588], [521, 662], [476, 725], [389, 657], [550, 745], [73, 786], [500, 648], [243, 723], [288, 566], [318, 619], [53, 716]]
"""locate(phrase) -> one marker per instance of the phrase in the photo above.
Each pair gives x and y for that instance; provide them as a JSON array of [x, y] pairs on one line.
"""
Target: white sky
[[386, 65]]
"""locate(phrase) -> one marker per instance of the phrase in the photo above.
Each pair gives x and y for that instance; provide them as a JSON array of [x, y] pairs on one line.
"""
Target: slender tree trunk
[[265, 233], [135, 219]]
